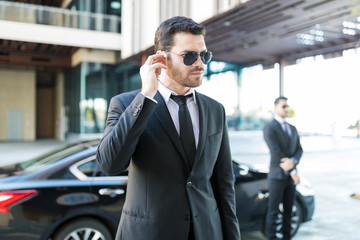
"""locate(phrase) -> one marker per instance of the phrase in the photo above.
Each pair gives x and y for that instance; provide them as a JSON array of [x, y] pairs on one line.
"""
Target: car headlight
[[243, 170], [304, 187]]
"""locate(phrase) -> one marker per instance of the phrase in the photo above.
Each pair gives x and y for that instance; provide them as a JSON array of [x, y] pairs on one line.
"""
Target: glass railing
[[29, 13]]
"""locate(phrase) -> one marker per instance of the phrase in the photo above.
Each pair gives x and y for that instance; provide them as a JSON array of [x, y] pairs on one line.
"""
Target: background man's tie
[[186, 128], [286, 128]]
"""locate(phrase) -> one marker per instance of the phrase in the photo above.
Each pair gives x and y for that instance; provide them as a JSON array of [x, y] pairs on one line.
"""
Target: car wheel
[[296, 218], [83, 229]]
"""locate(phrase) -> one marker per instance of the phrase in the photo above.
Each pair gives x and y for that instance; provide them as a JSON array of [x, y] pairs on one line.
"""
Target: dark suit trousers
[[281, 191]]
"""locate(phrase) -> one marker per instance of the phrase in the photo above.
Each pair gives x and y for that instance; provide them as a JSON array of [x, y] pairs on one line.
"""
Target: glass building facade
[[247, 93], [89, 88]]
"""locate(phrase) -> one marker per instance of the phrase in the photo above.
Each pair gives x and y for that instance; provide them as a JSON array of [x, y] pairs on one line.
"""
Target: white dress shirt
[[285, 126], [173, 108]]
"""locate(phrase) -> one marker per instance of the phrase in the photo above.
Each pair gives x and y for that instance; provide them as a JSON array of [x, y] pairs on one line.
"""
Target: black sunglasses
[[285, 106], [191, 57]]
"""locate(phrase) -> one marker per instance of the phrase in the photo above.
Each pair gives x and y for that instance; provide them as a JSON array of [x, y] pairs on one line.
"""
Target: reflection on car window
[[51, 157], [87, 168], [91, 169]]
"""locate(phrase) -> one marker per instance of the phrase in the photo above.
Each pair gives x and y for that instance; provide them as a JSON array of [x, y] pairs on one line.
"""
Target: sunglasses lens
[[190, 58], [206, 57]]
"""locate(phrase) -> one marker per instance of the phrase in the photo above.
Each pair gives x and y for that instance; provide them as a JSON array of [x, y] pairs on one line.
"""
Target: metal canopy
[[266, 32], [20, 53]]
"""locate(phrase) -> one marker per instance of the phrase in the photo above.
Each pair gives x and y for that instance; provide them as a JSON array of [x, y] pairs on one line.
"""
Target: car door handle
[[111, 192]]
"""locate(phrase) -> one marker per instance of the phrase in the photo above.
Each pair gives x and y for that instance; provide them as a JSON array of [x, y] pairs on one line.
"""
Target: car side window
[[88, 168], [91, 169], [99, 173]]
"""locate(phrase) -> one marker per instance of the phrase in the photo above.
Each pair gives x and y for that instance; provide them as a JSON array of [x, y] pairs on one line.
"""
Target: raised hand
[[150, 72]]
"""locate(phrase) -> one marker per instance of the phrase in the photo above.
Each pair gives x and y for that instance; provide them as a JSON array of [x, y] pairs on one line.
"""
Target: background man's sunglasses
[[191, 57]]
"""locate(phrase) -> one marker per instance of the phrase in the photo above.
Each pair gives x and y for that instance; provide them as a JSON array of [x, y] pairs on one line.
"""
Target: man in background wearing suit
[[180, 183], [285, 149]]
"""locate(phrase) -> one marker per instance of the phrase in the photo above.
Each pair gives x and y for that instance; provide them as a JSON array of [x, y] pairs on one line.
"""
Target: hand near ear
[[150, 72]]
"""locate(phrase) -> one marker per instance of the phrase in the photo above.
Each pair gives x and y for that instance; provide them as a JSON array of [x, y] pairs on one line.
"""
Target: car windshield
[[51, 157], [48, 158]]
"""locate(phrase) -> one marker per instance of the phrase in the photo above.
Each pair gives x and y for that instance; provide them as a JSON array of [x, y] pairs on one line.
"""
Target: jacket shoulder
[[271, 124], [125, 97]]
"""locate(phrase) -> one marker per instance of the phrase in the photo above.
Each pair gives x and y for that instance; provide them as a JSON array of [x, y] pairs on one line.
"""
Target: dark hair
[[280, 98], [166, 30]]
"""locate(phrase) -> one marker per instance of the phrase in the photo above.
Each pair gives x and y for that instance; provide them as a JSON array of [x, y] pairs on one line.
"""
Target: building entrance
[[45, 104]]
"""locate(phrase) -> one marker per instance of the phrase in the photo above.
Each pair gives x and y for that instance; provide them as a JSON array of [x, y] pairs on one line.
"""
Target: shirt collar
[[165, 92], [279, 119]]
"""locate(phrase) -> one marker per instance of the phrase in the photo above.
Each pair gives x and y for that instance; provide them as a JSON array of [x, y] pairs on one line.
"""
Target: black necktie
[[186, 128]]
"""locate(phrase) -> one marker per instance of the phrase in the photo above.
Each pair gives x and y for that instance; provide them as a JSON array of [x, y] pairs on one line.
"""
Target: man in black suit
[[180, 184], [285, 149]]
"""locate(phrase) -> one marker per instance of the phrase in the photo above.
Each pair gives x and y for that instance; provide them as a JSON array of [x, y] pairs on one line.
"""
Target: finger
[[159, 65], [154, 59]]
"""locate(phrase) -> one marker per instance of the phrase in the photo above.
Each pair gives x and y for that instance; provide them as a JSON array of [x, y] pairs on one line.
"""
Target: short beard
[[185, 82], [192, 84], [198, 81]]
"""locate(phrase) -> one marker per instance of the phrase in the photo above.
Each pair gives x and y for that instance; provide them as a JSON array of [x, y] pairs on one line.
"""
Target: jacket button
[[189, 184]]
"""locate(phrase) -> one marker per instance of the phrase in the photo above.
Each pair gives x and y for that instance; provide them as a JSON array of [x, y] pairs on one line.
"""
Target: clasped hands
[[288, 164]]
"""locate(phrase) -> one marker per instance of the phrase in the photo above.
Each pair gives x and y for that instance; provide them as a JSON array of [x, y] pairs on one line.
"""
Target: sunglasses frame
[[189, 62]]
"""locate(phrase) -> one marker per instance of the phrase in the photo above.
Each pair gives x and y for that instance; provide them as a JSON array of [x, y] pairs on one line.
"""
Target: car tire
[[84, 229], [296, 219]]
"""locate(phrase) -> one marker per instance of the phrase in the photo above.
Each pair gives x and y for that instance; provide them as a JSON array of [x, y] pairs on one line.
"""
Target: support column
[[282, 64], [238, 109], [83, 73]]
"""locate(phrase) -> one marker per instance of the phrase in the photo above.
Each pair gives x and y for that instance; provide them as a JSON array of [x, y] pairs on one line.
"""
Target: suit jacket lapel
[[162, 113], [284, 133], [203, 116], [293, 139]]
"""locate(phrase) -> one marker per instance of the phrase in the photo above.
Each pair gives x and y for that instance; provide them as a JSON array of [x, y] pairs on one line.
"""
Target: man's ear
[[164, 60]]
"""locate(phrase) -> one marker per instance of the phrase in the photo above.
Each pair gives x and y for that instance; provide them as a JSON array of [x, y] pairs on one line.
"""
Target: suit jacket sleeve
[[223, 186], [299, 151], [127, 118], [272, 141]]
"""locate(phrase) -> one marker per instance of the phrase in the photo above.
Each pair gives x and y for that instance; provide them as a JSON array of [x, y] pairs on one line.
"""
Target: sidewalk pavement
[[249, 146], [11, 152], [252, 142]]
